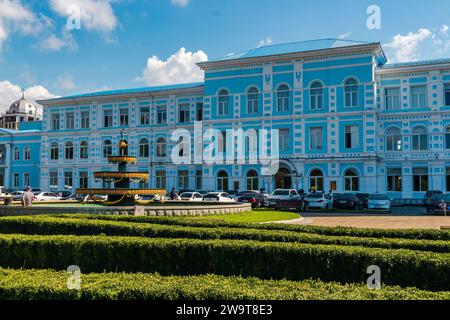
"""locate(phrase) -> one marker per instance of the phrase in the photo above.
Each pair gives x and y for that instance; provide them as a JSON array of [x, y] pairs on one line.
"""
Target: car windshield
[[378, 197], [212, 195], [36, 193], [281, 193], [315, 195], [343, 196], [186, 195]]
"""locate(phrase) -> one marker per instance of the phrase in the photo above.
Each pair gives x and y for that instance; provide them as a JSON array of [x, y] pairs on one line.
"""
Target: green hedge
[[425, 270], [52, 226], [52, 285], [426, 234]]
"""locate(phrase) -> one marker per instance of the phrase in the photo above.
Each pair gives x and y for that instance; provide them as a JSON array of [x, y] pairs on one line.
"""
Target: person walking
[[172, 194], [27, 198], [444, 207]]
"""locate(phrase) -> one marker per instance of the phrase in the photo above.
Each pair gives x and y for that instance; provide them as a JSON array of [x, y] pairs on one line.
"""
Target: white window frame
[[316, 138]]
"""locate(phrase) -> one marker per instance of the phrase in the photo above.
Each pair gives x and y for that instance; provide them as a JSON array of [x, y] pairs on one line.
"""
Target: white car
[[45, 196], [17, 195], [319, 200], [218, 197], [379, 202], [191, 196], [281, 194]]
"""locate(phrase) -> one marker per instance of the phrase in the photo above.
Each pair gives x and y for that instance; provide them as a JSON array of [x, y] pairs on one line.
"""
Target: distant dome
[[22, 106]]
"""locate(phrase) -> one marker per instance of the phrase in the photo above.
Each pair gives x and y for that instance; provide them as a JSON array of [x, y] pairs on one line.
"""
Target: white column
[[8, 167]]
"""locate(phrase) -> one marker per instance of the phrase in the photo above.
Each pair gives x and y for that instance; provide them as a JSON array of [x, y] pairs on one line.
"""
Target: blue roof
[[292, 47], [416, 63], [134, 90], [9, 131]]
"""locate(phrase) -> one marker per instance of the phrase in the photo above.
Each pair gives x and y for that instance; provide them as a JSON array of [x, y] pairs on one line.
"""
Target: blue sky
[[117, 37]]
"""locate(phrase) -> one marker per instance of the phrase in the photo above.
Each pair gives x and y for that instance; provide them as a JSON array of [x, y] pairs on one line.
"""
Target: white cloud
[[444, 29], [265, 42], [54, 42], [65, 82], [180, 3], [96, 15], [406, 47], [344, 36], [179, 68]]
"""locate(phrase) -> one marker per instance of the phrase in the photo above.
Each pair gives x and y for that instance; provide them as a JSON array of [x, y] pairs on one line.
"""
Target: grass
[[255, 216]]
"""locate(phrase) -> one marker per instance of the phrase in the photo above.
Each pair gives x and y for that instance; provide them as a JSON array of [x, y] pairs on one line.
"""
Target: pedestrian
[[27, 198], [444, 207], [172, 194]]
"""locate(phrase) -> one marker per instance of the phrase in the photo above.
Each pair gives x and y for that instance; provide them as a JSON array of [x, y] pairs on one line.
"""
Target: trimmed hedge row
[[426, 234], [52, 285], [266, 260], [51, 226]]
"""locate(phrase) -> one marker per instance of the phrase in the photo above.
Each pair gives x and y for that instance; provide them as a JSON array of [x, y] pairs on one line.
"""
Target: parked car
[[73, 196], [318, 201], [62, 194], [437, 203], [17, 195], [191, 196], [168, 197], [45, 196], [240, 193], [364, 198], [292, 203], [379, 202], [346, 201], [232, 193], [281, 194], [427, 200], [218, 197], [203, 192], [255, 198]]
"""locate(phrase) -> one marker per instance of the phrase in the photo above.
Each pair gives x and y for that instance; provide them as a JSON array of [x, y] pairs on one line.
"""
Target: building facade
[[344, 120]]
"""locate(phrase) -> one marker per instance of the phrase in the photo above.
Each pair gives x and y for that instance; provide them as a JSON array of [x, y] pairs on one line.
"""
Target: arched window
[[144, 148], [351, 180], [107, 148], [69, 150], [316, 180], [419, 138], [316, 96], [223, 102], [283, 98], [16, 153], [393, 139], [252, 180], [84, 150], [161, 147], [222, 180], [27, 153], [252, 100], [54, 151], [447, 138], [351, 93]]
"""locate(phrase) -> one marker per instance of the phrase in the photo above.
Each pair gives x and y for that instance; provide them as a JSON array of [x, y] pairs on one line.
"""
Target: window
[[316, 96], [419, 138], [84, 150], [107, 148], [161, 114], [199, 112], [183, 146], [447, 178], [351, 180], [199, 179], [223, 102], [283, 98], [222, 142], [420, 179], [54, 151], [351, 137], [143, 148], [26, 179], [419, 96], [392, 98], [68, 180], [70, 120], [222, 181], [107, 118], [27, 153], [145, 116], [316, 180], [123, 117], [183, 113], [315, 138], [183, 179], [53, 180], [161, 148], [394, 179], [351, 93], [393, 139], [69, 150], [252, 180], [16, 180], [161, 179], [55, 119], [284, 139], [252, 100], [447, 94], [447, 137], [84, 180], [85, 120], [16, 153]]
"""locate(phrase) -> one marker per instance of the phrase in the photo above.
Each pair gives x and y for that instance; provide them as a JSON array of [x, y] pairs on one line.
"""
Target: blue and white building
[[346, 120]]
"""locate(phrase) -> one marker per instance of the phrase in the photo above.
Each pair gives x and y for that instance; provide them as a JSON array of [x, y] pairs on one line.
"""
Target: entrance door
[[283, 180]]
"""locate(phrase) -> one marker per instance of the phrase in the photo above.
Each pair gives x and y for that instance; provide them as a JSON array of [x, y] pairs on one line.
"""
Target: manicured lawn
[[253, 216]]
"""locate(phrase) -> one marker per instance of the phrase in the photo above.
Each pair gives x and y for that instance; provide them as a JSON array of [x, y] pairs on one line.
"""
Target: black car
[[255, 198], [293, 203], [346, 201], [437, 203], [428, 197], [364, 198]]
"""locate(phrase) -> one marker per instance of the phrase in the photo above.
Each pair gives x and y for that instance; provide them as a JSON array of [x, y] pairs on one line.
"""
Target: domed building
[[21, 110]]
